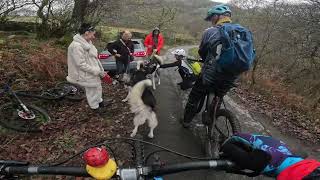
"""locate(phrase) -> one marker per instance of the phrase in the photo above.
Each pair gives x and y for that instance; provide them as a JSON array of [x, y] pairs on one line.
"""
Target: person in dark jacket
[[184, 69], [122, 50], [210, 47]]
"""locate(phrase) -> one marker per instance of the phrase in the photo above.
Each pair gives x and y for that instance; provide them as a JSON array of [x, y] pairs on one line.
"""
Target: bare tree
[[263, 20], [44, 12], [79, 12], [8, 6]]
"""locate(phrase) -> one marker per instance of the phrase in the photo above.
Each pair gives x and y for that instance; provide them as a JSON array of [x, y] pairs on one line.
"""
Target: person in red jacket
[[154, 41]]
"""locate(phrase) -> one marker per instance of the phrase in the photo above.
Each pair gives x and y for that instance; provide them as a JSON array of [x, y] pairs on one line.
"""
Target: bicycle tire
[[10, 119], [50, 94], [76, 92], [139, 151], [214, 138]]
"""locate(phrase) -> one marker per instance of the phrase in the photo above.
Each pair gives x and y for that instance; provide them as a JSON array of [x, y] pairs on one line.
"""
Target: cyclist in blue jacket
[[208, 49]]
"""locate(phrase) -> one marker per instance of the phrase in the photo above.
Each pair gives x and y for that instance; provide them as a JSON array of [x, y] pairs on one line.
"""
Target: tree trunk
[[43, 28], [79, 12], [253, 78]]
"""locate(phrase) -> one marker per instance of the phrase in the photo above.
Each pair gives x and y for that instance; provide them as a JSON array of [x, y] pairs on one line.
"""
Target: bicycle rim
[[76, 93], [10, 118], [55, 93]]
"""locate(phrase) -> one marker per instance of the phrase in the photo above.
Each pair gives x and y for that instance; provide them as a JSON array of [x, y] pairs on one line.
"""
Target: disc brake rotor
[[25, 115], [74, 90]]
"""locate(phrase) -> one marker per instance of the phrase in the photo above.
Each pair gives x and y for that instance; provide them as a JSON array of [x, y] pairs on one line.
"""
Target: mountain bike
[[13, 169], [219, 123], [19, 116]]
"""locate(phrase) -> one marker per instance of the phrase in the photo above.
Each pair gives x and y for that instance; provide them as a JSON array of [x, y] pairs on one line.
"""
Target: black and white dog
[[140, 97]]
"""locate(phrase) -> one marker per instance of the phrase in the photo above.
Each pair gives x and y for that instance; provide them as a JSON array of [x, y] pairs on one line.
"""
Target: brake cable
[[125, 140]]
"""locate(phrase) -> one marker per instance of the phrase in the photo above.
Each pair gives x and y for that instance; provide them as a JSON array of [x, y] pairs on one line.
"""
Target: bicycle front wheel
[[50, 94], [224, 126], [76, 92], [14, 117]]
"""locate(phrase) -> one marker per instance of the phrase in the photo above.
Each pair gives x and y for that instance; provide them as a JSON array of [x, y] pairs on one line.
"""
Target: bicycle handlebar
[[189, 166], [194, 59], [51, 170], [123, 173]]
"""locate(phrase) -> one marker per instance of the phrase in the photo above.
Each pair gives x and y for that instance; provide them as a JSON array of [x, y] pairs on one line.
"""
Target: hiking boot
[[100, 110], [106, 103], [186, 125]]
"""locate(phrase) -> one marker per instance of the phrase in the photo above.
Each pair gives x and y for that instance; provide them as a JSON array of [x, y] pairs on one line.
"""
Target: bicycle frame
[[209, 119]]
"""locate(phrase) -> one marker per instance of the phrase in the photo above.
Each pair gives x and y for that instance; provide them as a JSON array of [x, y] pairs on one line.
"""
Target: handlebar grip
[[198, 165]]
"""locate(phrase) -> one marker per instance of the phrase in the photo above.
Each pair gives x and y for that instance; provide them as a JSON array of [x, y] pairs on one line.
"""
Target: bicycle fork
[[210, 118], [24, 107], [209, 114]]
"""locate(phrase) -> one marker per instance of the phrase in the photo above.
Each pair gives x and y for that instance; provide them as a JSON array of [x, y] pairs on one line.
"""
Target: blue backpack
[[237, 53]]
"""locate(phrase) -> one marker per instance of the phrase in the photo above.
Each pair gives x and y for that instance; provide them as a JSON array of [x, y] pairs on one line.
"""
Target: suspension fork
[[214, 106], [12, 93]]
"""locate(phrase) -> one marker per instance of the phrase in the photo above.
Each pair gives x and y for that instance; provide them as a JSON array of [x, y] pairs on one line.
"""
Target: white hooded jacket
[[84, 67]]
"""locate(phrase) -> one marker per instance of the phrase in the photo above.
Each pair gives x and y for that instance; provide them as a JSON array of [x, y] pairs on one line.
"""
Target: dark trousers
[[198, 94], [187, 79], [122, 67]]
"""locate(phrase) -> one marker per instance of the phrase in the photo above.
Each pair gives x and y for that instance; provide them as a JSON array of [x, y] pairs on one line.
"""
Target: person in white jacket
[[84, 68]]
